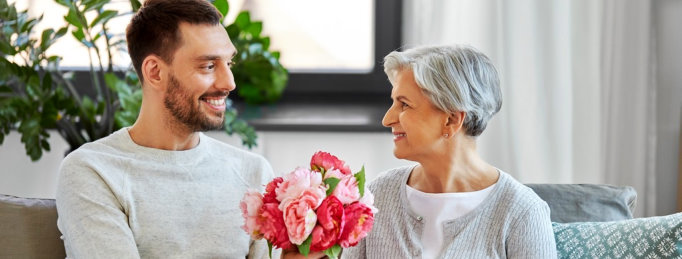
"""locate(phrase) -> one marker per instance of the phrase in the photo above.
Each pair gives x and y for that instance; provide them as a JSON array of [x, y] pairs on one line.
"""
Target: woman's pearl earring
[[446, 135]]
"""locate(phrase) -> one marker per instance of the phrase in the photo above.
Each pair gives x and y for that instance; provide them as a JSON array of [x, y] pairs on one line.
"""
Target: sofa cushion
[[654, 237], [587, 202], [29, 228]]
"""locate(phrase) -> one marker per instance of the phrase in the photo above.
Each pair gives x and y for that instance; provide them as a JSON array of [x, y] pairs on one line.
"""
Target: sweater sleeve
[[91, 219], [261, 177], [355, 252], [259, 250], [531, 235]]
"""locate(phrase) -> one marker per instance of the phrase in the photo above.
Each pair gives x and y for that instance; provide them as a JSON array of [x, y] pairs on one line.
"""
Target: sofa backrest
[[587, 202], [28, 228]]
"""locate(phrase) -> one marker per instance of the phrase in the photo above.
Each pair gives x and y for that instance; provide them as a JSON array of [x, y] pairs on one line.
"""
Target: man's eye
[[231, 63], [210, 66], [403, 105]]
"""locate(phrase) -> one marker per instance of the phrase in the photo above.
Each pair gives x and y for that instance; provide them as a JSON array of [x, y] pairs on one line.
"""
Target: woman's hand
[[293, 254]]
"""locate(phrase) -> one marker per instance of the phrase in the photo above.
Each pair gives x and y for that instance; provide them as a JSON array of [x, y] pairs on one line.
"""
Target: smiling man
[[161, 188]]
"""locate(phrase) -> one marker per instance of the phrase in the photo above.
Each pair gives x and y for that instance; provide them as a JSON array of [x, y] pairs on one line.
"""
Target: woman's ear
[[454, 123], [152, 68]]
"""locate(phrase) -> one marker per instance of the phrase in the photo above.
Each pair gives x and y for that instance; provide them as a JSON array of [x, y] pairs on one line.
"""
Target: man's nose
[[225, 80]]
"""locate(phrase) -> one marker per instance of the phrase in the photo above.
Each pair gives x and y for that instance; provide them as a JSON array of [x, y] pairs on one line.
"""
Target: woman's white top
[[437, 208]]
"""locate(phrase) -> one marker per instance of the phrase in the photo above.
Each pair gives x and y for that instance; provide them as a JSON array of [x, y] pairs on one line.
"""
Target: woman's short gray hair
[[454, 78]]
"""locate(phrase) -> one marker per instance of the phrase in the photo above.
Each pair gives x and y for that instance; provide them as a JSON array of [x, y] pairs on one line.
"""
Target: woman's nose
[[390, 117]]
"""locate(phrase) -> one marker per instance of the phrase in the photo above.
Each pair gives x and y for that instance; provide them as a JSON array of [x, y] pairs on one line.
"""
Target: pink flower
[[250, 206], [359, 221], [299, 215], [330, 218], [326, 161], [270, 195], [368, 200], [347, 190], [273, 227], [336, 173], [295, 183]]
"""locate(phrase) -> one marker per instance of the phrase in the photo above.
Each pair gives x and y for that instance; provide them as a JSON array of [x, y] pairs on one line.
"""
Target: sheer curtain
[[577, 84]]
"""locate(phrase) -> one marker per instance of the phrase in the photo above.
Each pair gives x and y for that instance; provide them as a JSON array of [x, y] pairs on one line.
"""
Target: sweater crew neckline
[[176, 156], [492, 196]]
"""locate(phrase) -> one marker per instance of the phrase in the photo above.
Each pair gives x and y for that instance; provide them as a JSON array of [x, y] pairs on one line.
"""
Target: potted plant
[[36, 95]]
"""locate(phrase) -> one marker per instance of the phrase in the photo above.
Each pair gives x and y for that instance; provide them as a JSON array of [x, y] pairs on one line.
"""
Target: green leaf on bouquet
[[333, 252], [304, 248], [360, 177], [270, 249], [332, 182]]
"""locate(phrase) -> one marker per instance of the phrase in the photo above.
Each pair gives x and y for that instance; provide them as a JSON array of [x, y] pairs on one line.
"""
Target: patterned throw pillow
[[653, 237]]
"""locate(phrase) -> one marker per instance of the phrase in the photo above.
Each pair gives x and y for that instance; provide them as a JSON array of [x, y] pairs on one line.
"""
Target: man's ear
[[152, 70], [454, 123]]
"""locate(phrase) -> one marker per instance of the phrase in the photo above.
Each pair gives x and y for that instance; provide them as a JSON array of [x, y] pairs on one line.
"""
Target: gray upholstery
[[587, 202], [28, 228]]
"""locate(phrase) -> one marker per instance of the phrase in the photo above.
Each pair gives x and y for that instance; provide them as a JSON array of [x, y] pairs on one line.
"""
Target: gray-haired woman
[[452, 204]]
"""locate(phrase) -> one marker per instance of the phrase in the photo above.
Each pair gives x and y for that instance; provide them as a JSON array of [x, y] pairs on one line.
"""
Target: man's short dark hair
[[154, 28]]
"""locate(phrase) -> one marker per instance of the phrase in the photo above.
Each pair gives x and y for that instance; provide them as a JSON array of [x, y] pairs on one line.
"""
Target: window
[[316, 36], [331, 48], [74, 53]]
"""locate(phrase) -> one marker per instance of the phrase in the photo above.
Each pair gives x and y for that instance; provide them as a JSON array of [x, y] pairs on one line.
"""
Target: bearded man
[[161, 188]]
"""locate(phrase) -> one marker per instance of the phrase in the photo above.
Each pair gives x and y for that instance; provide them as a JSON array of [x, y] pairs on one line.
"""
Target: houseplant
[[36, 95]]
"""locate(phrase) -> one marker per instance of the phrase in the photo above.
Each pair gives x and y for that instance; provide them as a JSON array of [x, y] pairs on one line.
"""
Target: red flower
[[270, 195], [273, 228], [330, 219], [326, 161], [359, 221]]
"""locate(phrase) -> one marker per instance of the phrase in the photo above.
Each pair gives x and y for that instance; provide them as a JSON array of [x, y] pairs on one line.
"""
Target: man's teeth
[[216, 102], [400, 135]]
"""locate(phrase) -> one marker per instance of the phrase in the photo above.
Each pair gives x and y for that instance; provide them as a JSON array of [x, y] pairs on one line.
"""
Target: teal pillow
[[653, 237]]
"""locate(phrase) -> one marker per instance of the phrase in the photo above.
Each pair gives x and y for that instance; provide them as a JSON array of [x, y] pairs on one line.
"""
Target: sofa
[[589, 221]]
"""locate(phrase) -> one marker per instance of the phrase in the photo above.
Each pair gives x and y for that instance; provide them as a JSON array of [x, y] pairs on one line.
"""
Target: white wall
[[668, 19], [285, 151]]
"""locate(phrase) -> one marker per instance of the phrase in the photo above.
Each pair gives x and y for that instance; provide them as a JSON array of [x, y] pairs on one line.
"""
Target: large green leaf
[[103, 17], [78, 34], [91, 5], [89, 108], [33, 87], [135, 4], [47, 82], [7, 48], [72, 18], [243, 20], [45, 38], [65, 3], [360, 177], [28, 26], [116, 84], [333, 252], [255, 28], [332, 182], [223, 6], [304, 248]]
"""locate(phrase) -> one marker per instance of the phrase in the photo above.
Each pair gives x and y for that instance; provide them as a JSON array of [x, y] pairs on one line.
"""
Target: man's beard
[[187, 110]]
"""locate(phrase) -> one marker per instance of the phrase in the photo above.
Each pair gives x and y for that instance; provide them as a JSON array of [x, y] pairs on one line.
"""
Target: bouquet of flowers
[[323, 208]]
